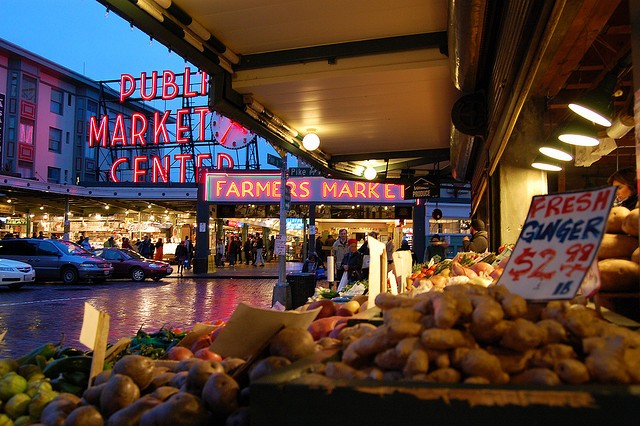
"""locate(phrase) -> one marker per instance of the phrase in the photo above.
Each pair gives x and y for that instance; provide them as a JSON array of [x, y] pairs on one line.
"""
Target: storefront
[[317, 204]]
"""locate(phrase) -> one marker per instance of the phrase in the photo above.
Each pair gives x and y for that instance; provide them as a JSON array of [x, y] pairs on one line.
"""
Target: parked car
[[14, 274], [56, 260], [129, 264]]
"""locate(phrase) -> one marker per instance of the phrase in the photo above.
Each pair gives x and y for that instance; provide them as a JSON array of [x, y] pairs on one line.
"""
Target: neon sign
[[266, 187], [145, 168]]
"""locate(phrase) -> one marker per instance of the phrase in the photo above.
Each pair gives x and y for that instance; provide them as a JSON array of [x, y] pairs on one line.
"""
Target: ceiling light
[[149, 206], [542, 162], [595, 106], [370, 173], [41, 207], [579, 133], [311, 141], [106, 207], [9, 200], [556, 150]]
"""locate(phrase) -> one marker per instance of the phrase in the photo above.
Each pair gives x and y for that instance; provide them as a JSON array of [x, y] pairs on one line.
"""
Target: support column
[[201, 256], [419, 230], [518, 182]]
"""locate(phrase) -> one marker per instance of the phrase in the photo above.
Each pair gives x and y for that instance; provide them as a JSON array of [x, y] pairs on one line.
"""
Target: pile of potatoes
[[141, 391], [619, 255], [478, 335]]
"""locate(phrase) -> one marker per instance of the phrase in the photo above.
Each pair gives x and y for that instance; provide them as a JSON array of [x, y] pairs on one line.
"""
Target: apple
[[208, 354], [352, 306], [179, 353], [328, 308], [343, 312]]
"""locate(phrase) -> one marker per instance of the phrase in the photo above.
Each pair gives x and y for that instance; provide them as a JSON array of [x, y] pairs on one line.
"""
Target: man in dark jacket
[[479, 241]]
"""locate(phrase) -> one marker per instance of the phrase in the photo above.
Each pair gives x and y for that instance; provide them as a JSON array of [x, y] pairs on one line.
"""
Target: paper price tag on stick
[[558, 244], [94, 334]]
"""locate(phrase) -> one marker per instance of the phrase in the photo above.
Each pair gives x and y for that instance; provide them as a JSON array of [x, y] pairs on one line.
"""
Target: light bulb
[[370, 173], [311, 141]]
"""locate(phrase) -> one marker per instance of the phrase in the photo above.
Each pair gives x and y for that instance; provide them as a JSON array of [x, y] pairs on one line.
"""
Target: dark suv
[[56, 260]]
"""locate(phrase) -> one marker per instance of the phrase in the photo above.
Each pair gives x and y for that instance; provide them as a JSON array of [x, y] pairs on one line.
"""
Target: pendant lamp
[[579, 132], [542, 162], [556, 150]]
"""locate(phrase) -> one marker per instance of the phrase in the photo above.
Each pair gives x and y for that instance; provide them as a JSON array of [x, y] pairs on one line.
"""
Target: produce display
[[452, 325], [619, 254]]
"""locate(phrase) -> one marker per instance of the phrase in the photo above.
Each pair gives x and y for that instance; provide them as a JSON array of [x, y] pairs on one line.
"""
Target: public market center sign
[[558, 244]]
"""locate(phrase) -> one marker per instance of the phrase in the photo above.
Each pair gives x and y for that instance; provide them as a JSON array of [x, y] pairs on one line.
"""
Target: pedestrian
[[86, 244], [234, 250], [389, 248], [272, 245], [246, 248], [436, 248], [126, 244], [8, 236], [352, 262], [110, 242], [259, 246], [80, 239], [626, 187], [181, 256], [319, 251], [190, 250], [41, 235], [145, 247], [339, 249], [158, 253], [364, 251], [219, 254], [479, 241]]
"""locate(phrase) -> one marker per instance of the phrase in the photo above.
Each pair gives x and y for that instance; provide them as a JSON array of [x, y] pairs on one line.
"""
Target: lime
[[5, 420], [34, 387], [17, 405], [39, 401], [7, 365], [11, 384]]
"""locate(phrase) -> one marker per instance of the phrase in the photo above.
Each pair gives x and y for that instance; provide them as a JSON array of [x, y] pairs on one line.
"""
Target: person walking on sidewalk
[[259, 248], [189, 247], [181, 256], [219, 254], [247, 250]]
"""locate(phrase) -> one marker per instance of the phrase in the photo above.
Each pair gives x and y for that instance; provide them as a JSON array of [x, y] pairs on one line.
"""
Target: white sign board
[[280, 246], [558, 243]]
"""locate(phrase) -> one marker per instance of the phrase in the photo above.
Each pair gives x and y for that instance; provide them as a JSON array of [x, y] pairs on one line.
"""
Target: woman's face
[[353, 247], [623, 192]]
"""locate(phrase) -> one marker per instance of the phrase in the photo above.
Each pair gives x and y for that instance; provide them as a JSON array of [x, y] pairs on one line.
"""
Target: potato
[[119, 392], [630, 223], [231, 364], [160, 380], [240, 417], [537, 376], [56, 411], [522, 336], [619, 275], [178, 379], [138, 367], [616, 217], [267, 366], [182, 409], [292, 343], [163, 393], [92, 394], [635, 256], [198, 375], [572, 371], [86, 415], [102, 377], [617, 246], [130, 416], [220, 394], [478, 362]]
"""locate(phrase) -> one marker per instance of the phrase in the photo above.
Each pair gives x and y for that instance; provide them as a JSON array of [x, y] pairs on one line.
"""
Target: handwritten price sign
[[558, 243]]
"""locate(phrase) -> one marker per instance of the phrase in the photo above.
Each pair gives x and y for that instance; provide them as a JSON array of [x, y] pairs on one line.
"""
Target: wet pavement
[[45, 312]]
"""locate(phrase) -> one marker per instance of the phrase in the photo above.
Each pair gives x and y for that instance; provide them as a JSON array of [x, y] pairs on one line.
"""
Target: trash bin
[[303, 286]]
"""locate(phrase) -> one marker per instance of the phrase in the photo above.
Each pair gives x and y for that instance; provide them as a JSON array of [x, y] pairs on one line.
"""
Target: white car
[[14, 274]]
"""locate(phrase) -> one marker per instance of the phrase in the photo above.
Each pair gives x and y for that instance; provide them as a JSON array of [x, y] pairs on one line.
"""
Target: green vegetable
[[47, 351], [68, 364]]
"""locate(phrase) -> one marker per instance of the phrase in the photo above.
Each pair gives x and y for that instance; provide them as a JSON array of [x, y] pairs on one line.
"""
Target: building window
[[25, 131], [53, 175], [55, 140], [56, 101], [28, 88]]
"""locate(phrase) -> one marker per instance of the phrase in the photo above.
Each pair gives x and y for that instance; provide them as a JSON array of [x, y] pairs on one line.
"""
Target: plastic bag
[[344, 281]]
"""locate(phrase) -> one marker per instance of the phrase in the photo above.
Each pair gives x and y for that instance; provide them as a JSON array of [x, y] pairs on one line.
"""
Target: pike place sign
[[422, 188]]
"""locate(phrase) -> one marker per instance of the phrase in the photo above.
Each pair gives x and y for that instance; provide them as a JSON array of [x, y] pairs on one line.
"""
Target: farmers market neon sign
[[266, 187], [155, 86]]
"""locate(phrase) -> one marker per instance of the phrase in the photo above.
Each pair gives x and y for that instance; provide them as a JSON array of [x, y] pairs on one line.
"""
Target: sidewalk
[[269, 271]]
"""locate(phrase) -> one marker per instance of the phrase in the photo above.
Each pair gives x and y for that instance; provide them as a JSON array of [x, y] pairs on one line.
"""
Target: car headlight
[[154, 266], [7, 269], [89, 265]]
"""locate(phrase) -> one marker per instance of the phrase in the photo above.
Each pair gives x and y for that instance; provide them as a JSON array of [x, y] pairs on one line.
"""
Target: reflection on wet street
[[46, 312]]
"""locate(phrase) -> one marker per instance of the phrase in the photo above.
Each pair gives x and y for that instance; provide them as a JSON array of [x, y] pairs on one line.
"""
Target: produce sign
[[558, 243]]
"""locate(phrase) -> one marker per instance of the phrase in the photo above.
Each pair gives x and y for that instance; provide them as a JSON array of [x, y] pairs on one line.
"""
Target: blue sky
[[77, 35], [81, 36]]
